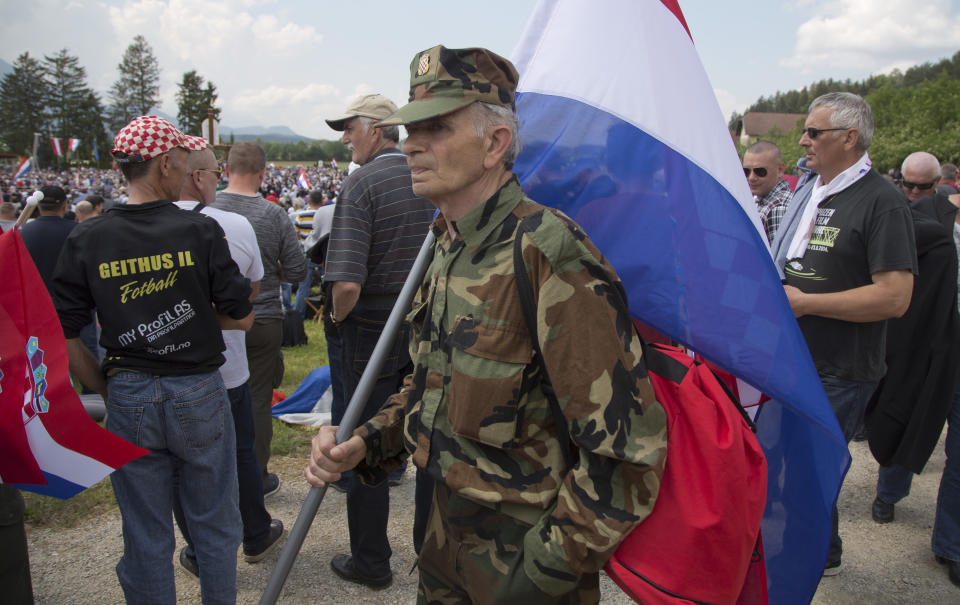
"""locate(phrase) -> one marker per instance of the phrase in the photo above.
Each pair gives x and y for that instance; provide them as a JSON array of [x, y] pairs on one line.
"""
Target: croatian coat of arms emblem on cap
[[424, 65]]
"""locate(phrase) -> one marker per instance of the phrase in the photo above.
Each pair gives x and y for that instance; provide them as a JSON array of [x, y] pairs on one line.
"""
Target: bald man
[[84, 210], [921, 173]]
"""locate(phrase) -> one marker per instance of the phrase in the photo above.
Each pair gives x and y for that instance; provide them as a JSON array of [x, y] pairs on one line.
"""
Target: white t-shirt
[[246, 253]]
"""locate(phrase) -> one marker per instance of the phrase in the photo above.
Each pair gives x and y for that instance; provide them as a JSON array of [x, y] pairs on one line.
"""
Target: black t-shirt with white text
[[158, 277], [864, 229]]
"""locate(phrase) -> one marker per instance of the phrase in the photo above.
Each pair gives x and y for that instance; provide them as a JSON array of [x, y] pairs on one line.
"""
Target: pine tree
[[193, 100], [66, 93], [137, 90], [23, 94], [75, 109]]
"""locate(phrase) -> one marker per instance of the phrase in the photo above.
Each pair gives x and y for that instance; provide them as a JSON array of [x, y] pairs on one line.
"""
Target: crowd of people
[[281, 184], [501, 515]]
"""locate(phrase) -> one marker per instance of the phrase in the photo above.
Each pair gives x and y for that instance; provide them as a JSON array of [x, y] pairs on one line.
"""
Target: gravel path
[[882, 564]]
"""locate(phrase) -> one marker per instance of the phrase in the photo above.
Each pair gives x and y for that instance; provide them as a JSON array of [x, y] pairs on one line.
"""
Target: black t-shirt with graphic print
[[864, 229], [157, 276]]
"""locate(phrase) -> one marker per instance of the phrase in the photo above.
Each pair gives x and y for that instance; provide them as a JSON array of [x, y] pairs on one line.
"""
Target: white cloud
[[251, 58], [896, 65], [728, 102], [277, 97], [859, 34]]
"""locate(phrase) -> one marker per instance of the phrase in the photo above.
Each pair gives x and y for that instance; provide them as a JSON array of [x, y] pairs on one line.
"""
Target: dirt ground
[[882, 564]]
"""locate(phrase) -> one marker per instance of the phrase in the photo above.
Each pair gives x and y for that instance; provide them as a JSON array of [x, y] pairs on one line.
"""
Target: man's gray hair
[[948, 172], [849, 111], [488, 115], [391, 133]]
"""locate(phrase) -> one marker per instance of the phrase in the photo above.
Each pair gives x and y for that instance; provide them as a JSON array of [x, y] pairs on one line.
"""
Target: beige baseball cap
[[368, 106]]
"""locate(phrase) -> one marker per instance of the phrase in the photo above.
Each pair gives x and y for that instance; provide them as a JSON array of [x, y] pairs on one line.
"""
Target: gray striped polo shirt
[[378, 226]]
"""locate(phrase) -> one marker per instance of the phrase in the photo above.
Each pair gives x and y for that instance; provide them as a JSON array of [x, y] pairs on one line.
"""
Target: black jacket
[[908, 411]]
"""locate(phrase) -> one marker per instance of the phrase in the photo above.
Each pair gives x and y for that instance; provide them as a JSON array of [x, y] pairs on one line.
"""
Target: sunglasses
[[920, 186], [760, 172], [815, 132], [217, 173]]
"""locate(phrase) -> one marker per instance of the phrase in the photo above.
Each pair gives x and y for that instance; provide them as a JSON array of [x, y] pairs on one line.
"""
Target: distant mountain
[[5, 68], [271, 134]]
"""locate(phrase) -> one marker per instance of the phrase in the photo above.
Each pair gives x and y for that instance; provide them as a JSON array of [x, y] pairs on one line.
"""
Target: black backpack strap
[[529, 305], [734, 399]]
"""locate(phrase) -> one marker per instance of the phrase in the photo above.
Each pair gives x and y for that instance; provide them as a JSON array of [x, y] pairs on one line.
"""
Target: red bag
[[697, 544], [702, 537]]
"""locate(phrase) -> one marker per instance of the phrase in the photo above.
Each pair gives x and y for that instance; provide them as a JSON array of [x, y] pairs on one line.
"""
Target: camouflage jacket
[[474, 415]]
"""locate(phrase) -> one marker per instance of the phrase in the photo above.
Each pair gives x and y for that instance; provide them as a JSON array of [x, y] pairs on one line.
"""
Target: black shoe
[[266, 546], [189, 563], [271, 485], [953, 569], [881, 511], [342, 565], [832, 569]]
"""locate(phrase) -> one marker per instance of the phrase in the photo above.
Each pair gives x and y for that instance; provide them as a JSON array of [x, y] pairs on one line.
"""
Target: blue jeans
[[185, 423], [849, 401], [946, 525], [303, 289], [253, 513], [893, 483], [368, 506], [286, 295]]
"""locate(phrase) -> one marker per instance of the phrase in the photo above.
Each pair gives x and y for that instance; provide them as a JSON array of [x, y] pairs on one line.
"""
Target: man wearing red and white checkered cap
[[164, 285]]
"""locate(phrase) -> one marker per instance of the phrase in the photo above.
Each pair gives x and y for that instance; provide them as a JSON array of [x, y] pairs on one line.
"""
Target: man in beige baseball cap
[[357, 122], [378, 226]]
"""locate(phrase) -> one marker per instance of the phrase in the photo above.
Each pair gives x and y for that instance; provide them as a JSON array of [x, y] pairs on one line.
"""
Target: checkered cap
[[147, 137]]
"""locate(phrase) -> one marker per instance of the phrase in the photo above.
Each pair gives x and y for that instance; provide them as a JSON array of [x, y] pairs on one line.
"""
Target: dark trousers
[[849, 401], [14, 561], [368, 507], [256, 519], [91, 339], [265, 361]]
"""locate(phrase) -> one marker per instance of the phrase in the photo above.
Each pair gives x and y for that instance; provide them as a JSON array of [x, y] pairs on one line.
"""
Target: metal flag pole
[[350, 418]]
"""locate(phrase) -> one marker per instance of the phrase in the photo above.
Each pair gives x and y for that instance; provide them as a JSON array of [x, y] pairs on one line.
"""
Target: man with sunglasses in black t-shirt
[[847, 253]]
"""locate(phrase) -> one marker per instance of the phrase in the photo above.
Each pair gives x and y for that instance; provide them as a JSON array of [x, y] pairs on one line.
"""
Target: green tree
[[23, 97], [137, 90], [193, 100], [74, 108], [67, 92]]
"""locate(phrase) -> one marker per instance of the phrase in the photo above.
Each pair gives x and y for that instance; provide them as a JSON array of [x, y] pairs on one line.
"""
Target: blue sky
[[296, 62]]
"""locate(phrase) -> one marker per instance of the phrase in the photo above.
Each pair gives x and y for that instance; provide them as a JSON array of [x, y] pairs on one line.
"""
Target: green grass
[[44, 511], [288, 440]]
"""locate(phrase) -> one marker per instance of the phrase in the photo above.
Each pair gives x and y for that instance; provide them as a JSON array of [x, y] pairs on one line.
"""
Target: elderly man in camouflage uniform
[[510, 520]]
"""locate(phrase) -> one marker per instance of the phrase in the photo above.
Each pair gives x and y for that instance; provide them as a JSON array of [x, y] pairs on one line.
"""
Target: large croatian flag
[[48, 443], [621, 131]]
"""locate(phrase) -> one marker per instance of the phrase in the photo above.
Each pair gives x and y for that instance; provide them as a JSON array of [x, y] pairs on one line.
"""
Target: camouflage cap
[[368, 106], [443, 80]]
